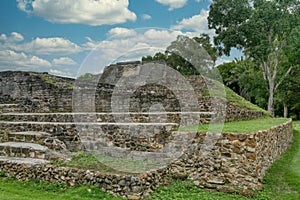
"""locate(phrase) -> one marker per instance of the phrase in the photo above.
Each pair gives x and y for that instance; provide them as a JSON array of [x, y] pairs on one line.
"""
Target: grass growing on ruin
[[282, 182], [232, 97], [128, 165], [86, 161], [241, 102], [94, 162], [238, 126]]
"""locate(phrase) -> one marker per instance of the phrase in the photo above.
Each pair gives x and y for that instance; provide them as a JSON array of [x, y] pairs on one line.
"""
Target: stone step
[[24, 150], [10, 108], [71, 128], [143, 117], [27, 136], [27, 161], [72, 133]]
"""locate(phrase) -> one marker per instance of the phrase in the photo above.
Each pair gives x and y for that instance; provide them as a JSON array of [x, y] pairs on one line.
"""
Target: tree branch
[[282, 78]]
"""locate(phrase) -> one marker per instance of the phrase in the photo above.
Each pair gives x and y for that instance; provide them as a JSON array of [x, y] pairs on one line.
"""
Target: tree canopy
[[267, 31], [189, 56]]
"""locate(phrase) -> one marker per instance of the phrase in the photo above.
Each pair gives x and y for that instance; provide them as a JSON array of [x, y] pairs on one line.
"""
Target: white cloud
[[121, 32], [60, 72], [146, 17], [11, 60], [143, 43], [197, 23], [15, 54], [3, 37], [203, 1], [40, 46], [49, 46], [173, 4], [151, 37], [14, 37], [90, 12], [161, 38], [63, 61]]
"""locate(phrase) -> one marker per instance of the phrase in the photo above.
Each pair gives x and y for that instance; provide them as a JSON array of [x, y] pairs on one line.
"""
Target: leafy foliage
[[264, 30], [245, 78], [188, 56]]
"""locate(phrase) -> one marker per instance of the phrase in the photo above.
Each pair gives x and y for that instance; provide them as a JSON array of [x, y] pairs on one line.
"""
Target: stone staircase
[[26, 147], [20, 147], [39, 147], [41, 137]]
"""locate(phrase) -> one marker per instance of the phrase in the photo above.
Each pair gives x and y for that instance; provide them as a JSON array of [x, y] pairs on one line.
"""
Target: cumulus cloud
[[3, 37], [13, 37], [203, 1], [121, 32], [12, 60], [173, 4], [151, 37], [143, 43], [146, 17], [15, 54], [62, 61], [39, 46], [48, 46], [58, 72], [90, 12], [197, 23]]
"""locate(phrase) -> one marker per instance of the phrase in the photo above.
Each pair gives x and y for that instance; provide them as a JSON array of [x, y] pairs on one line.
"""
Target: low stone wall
[[130, 186], [233, 161], [147, 117], [229, 162], [135, 136]]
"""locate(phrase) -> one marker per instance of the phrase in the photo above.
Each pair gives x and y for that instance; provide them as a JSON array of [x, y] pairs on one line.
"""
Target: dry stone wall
[[139, 136], [228, 162], [36, 92], [130, 186], [41, 92]]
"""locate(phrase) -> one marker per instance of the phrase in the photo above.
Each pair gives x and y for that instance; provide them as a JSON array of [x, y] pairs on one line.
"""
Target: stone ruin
[[46, 118]]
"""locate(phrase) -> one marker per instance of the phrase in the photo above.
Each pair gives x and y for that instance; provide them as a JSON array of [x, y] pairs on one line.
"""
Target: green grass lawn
[[238, 127], [282, 182]]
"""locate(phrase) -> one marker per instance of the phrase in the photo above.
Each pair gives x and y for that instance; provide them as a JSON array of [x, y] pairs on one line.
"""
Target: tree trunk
[[271, 98], [285, 111]]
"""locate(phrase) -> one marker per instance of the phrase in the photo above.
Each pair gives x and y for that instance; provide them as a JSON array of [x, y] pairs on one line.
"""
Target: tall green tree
[[189, 56], [262, 29], [245, 78], [288, 94], [204, 41]]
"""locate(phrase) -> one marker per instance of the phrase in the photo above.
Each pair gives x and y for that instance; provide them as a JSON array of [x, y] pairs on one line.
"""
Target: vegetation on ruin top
[[61, 82], [238, 126], [218, 89], [96, 162]]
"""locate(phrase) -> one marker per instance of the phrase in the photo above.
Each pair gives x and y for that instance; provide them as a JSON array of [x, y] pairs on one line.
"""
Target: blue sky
[[65, 37]]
